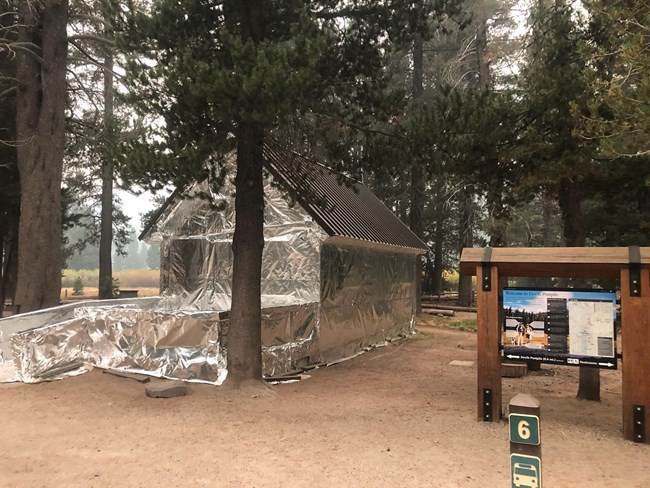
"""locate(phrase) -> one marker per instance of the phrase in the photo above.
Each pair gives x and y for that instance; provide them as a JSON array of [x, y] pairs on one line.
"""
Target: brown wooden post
[[488, 336], [635, 326]]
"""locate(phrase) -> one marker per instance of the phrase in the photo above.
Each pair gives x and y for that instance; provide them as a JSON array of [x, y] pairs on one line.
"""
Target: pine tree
[[78, 287], [224, 76], [559, 160]]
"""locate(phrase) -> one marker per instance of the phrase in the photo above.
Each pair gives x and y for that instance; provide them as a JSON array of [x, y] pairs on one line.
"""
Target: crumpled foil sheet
[[182, 345], [322, 301]]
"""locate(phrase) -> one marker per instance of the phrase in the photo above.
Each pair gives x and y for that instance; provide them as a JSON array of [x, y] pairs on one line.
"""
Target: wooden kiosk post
[[630, 265], [488, 336]]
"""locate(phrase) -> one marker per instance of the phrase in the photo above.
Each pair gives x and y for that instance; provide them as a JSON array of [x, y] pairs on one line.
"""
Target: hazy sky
[[136, 205]]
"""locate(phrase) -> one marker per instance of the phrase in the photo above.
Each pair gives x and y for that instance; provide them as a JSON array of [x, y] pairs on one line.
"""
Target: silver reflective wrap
[[367, 296], [183, 345], [323, 299], [196, 272]]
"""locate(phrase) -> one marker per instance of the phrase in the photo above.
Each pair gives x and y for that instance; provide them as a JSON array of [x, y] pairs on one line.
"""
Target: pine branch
[[90, 37]]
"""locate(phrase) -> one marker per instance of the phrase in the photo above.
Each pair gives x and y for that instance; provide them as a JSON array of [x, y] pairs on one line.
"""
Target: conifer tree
[[223, 76], [558, 159]]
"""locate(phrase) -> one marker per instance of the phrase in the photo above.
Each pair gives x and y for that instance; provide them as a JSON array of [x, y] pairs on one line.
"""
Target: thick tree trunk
[[40, 128], [417, 172], [437, 253], [9, 265], [106, 233], [3, 269], [439, 236], [245, 330], [547, 214], [415, 224], [497, 214], [466, 232], [482, 54], [570, 199]]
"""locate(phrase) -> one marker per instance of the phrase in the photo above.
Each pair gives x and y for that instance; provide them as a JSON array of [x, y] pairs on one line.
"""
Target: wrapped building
[[339, 275]]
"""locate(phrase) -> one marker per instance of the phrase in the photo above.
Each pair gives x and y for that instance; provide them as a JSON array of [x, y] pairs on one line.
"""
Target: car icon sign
[[525, 475]]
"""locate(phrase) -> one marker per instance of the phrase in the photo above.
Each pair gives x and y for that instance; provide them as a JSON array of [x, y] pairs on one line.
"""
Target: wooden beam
[[579, 262], [635, 326], [488, 337]]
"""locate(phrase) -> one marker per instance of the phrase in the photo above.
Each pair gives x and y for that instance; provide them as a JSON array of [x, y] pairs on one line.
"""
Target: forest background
[[500, 122]]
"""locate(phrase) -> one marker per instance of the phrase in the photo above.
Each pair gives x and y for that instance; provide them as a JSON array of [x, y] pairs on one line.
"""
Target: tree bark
[[497, 214], [417, 172], [547, 214], [40, 129], [9, 265], [482, 55], [437, 252], [466, 232], [106, 232], [570, 200], [439, 236], [245, 329]]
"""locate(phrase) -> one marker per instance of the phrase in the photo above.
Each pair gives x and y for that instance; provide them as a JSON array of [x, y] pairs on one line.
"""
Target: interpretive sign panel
[[574, 327]]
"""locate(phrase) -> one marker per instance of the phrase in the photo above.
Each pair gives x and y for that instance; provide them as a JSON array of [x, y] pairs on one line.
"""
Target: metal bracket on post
[[635, 270], [486, 285], [487, 405], [638, 420]]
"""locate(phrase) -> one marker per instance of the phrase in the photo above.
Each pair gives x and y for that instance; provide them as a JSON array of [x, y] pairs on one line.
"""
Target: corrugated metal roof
[[341, 206]]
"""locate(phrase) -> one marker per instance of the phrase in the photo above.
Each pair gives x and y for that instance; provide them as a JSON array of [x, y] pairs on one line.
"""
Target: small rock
[[165, 389]]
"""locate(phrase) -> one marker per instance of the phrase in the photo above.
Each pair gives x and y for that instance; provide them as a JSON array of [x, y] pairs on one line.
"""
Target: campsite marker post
[[525, 442]]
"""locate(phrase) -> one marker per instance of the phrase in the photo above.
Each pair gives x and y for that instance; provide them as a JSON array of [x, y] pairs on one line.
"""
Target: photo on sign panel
[[574, 327]]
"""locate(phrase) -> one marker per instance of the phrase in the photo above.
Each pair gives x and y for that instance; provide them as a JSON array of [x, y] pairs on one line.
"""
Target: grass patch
[[467, 324], [457, 323], [127, 278]]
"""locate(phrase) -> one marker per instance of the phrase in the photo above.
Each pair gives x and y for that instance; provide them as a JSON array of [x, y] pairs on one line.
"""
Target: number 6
[[523, 428]]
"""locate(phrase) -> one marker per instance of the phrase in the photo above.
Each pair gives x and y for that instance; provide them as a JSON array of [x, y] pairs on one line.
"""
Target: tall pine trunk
[[40, 130], [570, 199], [106, 234], [466, 239], [439, 236], [245, 330], [9, 245], [417, 172]]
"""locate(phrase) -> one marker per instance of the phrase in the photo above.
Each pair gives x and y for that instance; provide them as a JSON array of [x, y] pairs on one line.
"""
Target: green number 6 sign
[[524, 429]]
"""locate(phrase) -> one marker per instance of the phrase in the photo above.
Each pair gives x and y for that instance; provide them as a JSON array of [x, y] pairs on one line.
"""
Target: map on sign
[[574, 327], [590, 328]]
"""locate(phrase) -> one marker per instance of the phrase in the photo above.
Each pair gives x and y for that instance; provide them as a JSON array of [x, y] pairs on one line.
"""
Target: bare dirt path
[[398, 416]]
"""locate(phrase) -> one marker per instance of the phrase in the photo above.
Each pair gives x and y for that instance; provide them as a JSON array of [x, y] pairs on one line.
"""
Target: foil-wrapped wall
[[321, 300], [198, 270], [367, 296]]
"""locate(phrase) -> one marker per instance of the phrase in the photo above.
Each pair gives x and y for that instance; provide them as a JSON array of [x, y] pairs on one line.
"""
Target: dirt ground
[[398, 416]]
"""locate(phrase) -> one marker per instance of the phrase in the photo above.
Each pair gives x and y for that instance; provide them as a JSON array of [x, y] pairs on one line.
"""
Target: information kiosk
[[630, 265]]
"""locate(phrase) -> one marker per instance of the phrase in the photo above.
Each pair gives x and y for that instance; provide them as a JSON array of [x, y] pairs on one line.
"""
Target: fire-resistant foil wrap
[[367, 296], [182, 345], [322, 300]]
